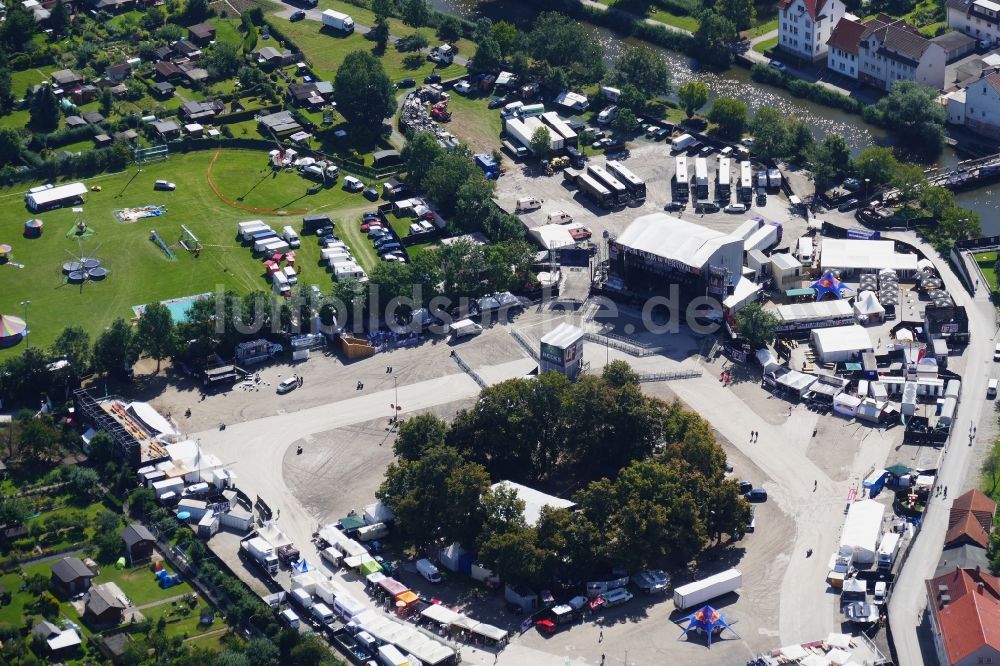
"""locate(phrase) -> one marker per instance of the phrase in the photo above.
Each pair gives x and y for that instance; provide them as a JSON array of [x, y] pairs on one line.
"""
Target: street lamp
[[25, 304]]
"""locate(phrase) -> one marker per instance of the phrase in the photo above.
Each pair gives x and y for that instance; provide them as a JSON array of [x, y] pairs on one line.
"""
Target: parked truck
[[698, 592], [887, 550], [338, 21], [262, 553]]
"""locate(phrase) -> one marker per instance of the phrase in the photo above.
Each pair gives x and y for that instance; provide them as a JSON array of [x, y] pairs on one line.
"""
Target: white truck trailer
[[464, 327], [338, 21], [262, 553], [707, 589]]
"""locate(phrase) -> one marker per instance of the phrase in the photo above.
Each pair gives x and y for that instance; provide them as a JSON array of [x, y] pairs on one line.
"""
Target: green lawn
[[474, 123], [396, 27], [348, 229], [764, 28], [17, 119], [986, 260], [140, 585], [140, 272], [19, 81], [326, 51], [15, 611], [766, 45], [683, 22], [227, 30]]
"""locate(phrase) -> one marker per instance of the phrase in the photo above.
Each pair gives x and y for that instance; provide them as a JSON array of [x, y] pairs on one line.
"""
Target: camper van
[[528, 203]]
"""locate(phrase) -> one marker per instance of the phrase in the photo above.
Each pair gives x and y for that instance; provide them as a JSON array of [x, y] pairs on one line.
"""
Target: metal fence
[[522, 340], [669, 376], [467, 370], [629, 347]]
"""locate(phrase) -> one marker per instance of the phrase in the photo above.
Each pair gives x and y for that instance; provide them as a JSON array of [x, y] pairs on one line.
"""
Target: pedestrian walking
[[600, 638]]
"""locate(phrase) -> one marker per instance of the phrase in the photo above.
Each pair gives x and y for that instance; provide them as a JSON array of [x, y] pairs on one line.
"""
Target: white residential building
[[804, 26], [977, 107], [884, 50], [976, 18], [842, 47]]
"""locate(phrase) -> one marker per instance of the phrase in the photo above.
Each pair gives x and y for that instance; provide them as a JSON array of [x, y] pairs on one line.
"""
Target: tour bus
[[635, 185], [722, 183], [681, 178], [596, 191], [746, 182], [617, 189]]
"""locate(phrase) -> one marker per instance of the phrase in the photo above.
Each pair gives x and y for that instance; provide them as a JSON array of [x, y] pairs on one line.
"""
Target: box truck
[[322, 613], [291, 237], [887, 550], [260, 552], [464, 327], [372, 532], [698, 592], [338, 21], [682, 142]]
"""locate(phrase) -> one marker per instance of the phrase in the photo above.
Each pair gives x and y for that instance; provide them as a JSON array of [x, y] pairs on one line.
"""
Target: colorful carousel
[[12, 329], [33, 228]]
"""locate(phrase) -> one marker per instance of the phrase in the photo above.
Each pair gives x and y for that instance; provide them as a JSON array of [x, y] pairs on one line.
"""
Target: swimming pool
[[179, 307]]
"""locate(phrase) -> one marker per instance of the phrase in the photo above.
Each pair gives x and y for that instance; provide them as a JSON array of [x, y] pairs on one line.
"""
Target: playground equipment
[[151, 154], [189, 241], [155, 237]]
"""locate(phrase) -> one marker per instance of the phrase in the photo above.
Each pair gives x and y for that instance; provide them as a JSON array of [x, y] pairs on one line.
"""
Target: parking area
[[653, 163]]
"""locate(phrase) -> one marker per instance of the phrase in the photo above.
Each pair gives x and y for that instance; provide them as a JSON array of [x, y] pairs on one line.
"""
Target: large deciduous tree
[[693, 95], [116, 350], [756, 325], [363, 93], [730, 115], [156, 335], [641, 67]]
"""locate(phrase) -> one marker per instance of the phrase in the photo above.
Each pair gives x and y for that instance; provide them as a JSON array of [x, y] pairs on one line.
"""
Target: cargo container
[[699, 592]]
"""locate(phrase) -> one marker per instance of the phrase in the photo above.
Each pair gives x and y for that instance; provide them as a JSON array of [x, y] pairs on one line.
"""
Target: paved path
[[160, 602], [653, 22], [907, 604]]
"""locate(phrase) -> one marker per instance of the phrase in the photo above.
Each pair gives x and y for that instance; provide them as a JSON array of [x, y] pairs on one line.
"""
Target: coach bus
[[596, 191], [681, 192], [618, 191], [723, 187], [635, 185]]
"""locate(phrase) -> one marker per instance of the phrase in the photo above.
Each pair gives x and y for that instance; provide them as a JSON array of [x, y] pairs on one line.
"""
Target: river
[[736, 83]]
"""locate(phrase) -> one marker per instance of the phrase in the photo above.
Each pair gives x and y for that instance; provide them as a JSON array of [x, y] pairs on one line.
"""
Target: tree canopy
[[363, 93], [693, 95], [561, 42], [756, 325], [641, 67], [914, 114], [730, 115], [651, 478]]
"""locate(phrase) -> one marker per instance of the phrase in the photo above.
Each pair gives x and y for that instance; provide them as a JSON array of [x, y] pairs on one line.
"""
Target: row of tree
[[650, 475]]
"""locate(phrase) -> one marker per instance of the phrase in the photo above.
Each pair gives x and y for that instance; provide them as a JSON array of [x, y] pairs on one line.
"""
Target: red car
[[374, 224], [546, 626], [580, 233]]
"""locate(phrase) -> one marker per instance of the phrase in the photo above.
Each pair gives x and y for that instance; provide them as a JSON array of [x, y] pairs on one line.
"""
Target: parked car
[[406, 83], [496, 102], [996, 353], [352, 184], [706, 151], [287, 384], [694, 148], [761, 197], [164, 186], [297, 16], [580, 233], [673, 205], [745, 487], [736, 208], [757, 495], [778, 65], [706, 207], [848, 205], [432, 78], [880, 589], [370, 193], [661, 134]]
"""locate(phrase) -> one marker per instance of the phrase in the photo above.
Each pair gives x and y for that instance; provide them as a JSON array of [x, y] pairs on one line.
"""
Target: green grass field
[[986, 261], [766, 45], [326, 51], [140, 271]]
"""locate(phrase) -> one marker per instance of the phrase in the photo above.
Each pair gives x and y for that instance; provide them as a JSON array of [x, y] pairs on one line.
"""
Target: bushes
[[811, 91]]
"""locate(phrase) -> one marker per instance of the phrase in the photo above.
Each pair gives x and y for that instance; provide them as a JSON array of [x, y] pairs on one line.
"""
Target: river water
[[736, 83]]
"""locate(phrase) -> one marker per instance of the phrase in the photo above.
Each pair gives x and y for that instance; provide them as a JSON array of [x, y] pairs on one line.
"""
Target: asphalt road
[[909, 599]]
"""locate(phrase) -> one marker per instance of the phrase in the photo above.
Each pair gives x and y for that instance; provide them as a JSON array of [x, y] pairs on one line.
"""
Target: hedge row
[[627, 25], [811, 91]]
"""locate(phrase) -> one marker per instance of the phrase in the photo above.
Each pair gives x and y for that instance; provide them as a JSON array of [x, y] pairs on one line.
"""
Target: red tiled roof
[[970, 621], [968, 528], [813, 7], [975, 501], [993, 80], [846, 35]]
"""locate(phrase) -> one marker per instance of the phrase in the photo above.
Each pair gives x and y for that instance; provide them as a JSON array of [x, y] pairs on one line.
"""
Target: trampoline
[[91, 263], [76, 276], [72, 267], [97, 273]]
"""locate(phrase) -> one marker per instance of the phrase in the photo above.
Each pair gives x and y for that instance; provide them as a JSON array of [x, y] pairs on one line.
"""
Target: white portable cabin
[[331, 555], [175, 485], [196, 508], [908, 404], [388, 655], [302, 597], [559, 126], [244, 229]]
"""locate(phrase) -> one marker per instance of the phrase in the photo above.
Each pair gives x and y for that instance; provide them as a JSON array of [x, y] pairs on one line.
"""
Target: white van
[[352, 184], [528, 203], [427, 569], [681, 142], [290, 274], [558, 217], [607, 115], [991, 389], [290, 618], [291, 237], [512, 108]]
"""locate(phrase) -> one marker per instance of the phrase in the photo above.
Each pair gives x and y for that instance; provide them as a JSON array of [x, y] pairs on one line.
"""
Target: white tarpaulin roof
[[864, 255], [767, 360], [674, 239], [782, 261], [552, 236], [440, 614], [534, 500], [794, 652], [151, 418], [744, 291], [45, 197], [862, 528], [810, 311], [838, 656], [796, 381], [839, 640], [867, 304], [274, 536], [841, 339]]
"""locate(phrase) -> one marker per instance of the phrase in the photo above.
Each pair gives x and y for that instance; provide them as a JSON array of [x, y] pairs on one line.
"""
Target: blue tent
[[828, 284], [708, 621]]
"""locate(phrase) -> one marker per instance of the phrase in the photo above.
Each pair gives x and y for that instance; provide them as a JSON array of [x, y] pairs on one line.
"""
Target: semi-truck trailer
[[698, 592], [262, 553]]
